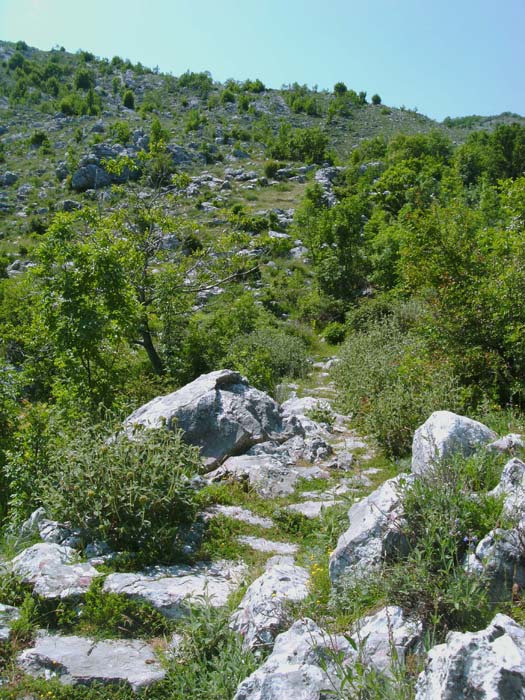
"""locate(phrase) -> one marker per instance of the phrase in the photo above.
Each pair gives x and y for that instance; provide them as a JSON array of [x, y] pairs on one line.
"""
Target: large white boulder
[[444, 434], [485, 665], [300, 667], [373, 528], [264, 609], [218, 412], [511, 487]]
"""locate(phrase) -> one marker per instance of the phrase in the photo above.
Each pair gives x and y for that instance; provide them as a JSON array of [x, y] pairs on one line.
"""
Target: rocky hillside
[[241, 331]]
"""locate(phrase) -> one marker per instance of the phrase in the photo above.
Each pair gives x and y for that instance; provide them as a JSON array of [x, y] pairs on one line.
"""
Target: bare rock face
[[445, 434], [51, 570], [485, 665], [78, 660], [262, 612], [386, 637], [372, 532], [171, 589], [499, 560], [220, 413], [512, 487], [300, 666]]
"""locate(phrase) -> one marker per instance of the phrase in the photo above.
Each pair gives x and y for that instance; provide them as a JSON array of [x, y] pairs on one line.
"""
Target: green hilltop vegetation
[[156, 228]]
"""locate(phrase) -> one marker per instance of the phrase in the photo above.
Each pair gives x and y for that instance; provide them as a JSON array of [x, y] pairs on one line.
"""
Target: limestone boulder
[[264, 609], [218, 412], [374, 530], [300, 666], [445, 434], [53, 572], [82, 661], [485, 665]]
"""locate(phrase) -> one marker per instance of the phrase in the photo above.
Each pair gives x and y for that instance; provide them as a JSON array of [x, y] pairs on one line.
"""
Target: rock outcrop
[[218, 412], [485, 665], [373, 532], [445, 434]]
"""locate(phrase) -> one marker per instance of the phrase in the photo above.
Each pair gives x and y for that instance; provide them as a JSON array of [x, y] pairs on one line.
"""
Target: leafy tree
[[340, 89], [376, 99], [129, 99]]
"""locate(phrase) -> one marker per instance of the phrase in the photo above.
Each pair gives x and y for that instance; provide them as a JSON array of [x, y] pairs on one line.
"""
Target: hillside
[[262, 364]]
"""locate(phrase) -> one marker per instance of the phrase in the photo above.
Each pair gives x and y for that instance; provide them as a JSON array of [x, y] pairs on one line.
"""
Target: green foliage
[[390, 380], [128, 99], [267, 355], [307, 145], [340, 89], [202, 83], [121, 132], [84, 79], [194, 120], [376, 99], [131, 492]]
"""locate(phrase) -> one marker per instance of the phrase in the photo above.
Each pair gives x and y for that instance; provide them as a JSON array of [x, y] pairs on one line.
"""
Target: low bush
[[391, 382], [131, 491]]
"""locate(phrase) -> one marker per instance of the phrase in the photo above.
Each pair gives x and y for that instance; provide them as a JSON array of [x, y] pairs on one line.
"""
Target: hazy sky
[[446, 57]]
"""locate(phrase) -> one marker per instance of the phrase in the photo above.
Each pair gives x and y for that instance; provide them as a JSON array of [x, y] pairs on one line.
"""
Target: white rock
[[238, 513], [508, 443], [512, 487], [485, 665], [8, 614], [312, 509], [267, 475], [171, 589], [293, 669], [49, 569], [78, 660], [362, 546], [259, 544], [385, 638], [499, 559], [220, 413], [264, 609], [445, 434]]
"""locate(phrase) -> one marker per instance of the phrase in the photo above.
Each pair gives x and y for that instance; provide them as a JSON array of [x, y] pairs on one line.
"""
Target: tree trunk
[[153, 355]]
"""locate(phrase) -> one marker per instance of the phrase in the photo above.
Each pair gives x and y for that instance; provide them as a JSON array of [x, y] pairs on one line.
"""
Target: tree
[[340, 89], [129, 100], [376, 100]]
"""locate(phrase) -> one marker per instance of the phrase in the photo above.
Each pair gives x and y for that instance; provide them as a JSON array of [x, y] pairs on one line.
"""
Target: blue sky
[[443, 58]]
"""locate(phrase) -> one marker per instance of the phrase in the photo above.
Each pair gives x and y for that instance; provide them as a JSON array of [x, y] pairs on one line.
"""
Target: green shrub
[[391, 382], [84, 79], [128, 99], [376, 100], [132, 492], [267, 355], [334, 333], [270, 168], [121, 132]]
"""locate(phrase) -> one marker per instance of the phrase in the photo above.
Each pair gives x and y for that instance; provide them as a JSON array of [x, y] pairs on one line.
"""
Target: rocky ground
[[295, 463]]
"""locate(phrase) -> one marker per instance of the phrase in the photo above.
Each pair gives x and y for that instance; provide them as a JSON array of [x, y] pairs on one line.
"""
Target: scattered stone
[[512, 487], [259, 544], [373, 530], [263, 611], [89, 177], [238, 513], [268, 476], [508, 444], [172, 589], [499, 560], [377, 636], [79, 660], [299, 667], [312, 509], [485, 665], [220, 413], [8, 614], [311, 448], [48, 568], [8, 178], [445, 434], [69, 205]]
